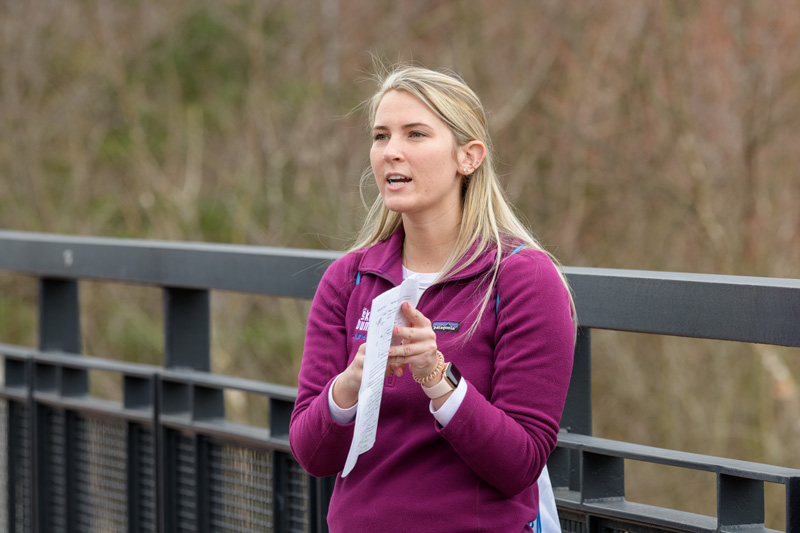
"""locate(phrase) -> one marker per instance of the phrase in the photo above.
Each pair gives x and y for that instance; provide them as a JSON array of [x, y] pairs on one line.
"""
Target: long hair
[[488, 220]]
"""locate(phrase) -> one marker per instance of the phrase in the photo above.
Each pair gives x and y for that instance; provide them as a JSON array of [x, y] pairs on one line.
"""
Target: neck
[[427, 246]]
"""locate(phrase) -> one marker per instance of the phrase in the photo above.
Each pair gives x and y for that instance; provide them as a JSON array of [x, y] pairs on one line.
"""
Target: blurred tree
[[652, 135]]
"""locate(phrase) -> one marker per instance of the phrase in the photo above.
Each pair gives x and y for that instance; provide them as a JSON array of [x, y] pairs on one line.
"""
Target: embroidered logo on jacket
[[445, 325], [362, 326]]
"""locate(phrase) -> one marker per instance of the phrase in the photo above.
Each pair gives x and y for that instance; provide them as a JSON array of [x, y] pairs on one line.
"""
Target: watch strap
[[440, 389]]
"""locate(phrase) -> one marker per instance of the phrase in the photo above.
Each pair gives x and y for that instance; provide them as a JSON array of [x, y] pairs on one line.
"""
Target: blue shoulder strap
[[497, 303], [358, 278]]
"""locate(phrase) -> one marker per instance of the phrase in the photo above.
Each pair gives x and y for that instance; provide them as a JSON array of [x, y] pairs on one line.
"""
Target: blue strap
[[497, 303], [536, 525], [358, 278]]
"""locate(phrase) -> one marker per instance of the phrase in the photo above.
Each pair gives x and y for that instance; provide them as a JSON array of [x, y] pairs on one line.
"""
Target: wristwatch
[[450, 380]]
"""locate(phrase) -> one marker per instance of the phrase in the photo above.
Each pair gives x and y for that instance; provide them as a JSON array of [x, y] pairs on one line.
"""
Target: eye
[[416, 134], [379, 137]]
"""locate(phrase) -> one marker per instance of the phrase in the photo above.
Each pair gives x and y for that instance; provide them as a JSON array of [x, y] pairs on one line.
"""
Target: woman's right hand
[[345, 390]]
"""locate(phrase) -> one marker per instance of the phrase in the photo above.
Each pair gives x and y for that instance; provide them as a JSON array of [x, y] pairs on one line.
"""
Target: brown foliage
[[651, 135]]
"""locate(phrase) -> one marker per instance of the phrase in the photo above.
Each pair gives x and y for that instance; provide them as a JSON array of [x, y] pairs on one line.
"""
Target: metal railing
[[165, 458]]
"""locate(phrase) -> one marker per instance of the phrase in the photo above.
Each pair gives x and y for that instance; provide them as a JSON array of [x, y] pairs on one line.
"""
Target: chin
[[396, 207]]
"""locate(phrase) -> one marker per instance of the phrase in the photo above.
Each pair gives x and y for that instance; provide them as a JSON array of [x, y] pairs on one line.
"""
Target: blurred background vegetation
[[658, 135]]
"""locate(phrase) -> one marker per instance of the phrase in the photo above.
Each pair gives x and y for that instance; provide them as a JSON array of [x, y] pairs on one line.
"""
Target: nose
[[392, 151]]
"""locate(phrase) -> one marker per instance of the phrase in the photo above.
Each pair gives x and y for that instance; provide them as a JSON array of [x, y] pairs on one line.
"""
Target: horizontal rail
[[205, 380], [86, 362], [261, 270], [736, 308], [630, 513], [601, 491], [694, 461]]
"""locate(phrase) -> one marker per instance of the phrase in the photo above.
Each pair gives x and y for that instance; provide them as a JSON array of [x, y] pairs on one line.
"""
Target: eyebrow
[[405, 127]]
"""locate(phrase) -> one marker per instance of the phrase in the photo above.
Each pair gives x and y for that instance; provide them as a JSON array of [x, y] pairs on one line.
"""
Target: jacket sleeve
[[319, 443], [507, 438]]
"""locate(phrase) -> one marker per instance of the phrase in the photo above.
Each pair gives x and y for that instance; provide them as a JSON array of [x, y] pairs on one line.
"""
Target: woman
[[476, 383]]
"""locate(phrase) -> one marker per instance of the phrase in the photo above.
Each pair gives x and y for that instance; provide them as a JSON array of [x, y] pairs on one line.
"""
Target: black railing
[[165, 458]]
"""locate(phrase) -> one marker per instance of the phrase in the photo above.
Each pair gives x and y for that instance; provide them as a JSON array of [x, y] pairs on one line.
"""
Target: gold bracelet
[[436, 371]]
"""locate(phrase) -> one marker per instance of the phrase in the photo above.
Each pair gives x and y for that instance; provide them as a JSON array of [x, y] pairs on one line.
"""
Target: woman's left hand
[[417, 347]]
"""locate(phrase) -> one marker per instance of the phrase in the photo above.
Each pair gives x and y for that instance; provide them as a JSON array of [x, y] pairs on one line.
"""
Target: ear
[[470, 156]]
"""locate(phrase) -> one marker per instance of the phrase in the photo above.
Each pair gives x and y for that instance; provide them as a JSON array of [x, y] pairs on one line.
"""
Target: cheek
[[375, 162], [375, 158], [445, 168]]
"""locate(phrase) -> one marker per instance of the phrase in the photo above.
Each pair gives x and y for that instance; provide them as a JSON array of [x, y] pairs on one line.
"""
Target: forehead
[[401, 108]]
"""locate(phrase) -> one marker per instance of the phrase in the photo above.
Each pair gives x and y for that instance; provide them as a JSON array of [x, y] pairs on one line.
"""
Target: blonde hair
[[488, 219]]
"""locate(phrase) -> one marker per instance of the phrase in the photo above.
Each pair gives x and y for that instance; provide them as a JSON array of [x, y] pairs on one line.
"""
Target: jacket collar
[[385, 259]]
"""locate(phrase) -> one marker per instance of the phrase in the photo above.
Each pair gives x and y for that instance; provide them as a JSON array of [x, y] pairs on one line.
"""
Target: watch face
[[452, 375]]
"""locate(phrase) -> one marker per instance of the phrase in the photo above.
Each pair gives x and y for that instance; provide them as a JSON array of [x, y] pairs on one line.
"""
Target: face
[[413, 158]]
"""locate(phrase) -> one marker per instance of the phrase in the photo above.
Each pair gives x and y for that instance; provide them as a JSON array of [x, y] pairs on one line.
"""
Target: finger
[[414, 340], [402, 334], [395, 369], [413, 333], [398, 354], [402, 351], [414, 316]]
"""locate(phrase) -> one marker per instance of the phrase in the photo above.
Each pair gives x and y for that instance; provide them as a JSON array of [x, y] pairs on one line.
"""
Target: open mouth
[[398, 179]]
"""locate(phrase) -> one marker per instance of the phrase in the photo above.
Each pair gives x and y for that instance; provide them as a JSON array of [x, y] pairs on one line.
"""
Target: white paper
[[384, 315]]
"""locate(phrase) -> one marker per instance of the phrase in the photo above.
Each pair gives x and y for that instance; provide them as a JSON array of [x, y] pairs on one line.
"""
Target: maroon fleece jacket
[[479, 472]]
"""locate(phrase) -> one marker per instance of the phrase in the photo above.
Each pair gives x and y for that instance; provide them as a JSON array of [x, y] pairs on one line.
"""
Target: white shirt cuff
[[342, 416], [448, 410]]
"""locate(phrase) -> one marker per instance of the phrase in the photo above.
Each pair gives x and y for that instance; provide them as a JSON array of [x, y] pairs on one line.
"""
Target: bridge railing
[[165, 457]]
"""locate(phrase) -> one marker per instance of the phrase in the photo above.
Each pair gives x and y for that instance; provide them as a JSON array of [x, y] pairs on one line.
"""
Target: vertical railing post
[[280, 411], [319, 493], [11, 473], [187, 324], [740, 503], [202, 484], [187, 345], [172, 399], [18, 375], [134, 496], [602, 477], [793, 504], [59, 331], [139, 393], [208, 405], [59, 315], [577, 416], [71, 437], [280, 488], [167, 499]]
